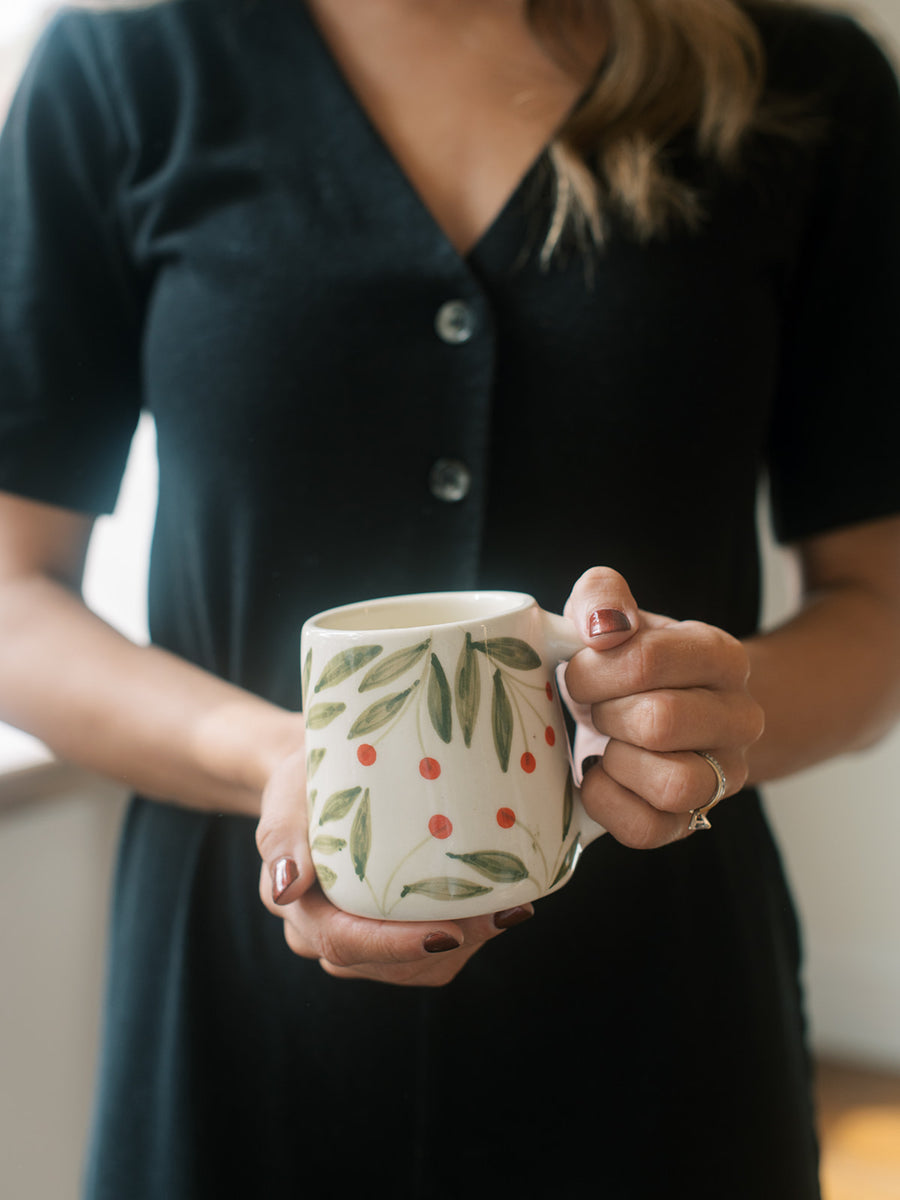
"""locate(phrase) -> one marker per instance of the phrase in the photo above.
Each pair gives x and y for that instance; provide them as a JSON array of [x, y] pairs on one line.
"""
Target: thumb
[[281, 835], [603, 608]]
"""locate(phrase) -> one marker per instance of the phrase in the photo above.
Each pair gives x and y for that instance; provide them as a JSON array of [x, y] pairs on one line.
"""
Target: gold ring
[[699, 819]]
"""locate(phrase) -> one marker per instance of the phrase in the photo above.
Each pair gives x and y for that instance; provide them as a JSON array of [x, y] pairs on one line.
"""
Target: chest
[[464, 95]]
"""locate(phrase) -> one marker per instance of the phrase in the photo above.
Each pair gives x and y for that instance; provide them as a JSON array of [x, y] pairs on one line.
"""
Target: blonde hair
[[672, 67]]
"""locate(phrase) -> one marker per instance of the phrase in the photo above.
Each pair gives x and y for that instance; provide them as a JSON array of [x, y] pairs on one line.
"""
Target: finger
[[603, 608], [667, 654], [281, 835], [437, 969], [687, 719], [626, 815], [673, 783], [316, 929]]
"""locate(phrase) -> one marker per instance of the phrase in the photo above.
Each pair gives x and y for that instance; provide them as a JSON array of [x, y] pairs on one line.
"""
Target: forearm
[[828, 680], [137, 714]]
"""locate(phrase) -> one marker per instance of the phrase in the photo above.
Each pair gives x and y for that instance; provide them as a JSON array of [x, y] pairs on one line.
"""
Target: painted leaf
[[321, 715], [393, 666], [495, 864], [513, 652], [379, 713], [567, 862], [439, 705], [501, 721], [361, 837], [327, 878], [568, 805], [338, 805], [468, 689], [338, 669], [304, 679], [311, 802], [328, 845], [314, 761], [445, 887]]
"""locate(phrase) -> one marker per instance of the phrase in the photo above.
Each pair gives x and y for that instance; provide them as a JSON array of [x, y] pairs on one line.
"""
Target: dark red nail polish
[[439, 943], [608, 620], [510, 917], [284, 873]]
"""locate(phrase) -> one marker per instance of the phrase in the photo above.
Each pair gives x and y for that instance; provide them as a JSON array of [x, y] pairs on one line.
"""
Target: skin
[[826, 683]]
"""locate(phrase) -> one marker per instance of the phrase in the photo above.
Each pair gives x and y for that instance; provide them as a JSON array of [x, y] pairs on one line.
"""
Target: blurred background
[[839, 828]]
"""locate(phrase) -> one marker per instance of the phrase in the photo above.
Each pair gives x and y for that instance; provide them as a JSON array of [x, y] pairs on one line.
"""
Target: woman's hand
[[661, 690], [422, 954]]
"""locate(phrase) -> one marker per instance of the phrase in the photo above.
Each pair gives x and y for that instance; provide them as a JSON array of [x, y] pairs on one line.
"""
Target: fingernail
[[607, 620], [511, 917], [284, 873], [439, 943]]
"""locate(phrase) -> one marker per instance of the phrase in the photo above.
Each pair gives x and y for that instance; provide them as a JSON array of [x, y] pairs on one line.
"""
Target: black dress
[[197, 218]]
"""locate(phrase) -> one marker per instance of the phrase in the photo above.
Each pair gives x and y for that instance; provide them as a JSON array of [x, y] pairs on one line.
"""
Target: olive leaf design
[[345, 664], [314, 761], [380, 713], [501, 720], [327, 845], [338, 805], [505, 657], [444, 887], [326, 877], [439, 703], [361, 837], [513, 653], [321, 715], [393, 666], [468, 689], [495, 864], [305, 678]]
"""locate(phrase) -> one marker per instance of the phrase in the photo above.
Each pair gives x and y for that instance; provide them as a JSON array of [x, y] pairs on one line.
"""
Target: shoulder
[[125, 36], [828, 54]]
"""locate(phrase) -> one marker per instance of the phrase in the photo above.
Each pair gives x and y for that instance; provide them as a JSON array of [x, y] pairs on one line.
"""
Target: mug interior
[[426, 610]]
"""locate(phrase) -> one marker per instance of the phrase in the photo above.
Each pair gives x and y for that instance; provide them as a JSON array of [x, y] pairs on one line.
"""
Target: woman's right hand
[[418, 954]]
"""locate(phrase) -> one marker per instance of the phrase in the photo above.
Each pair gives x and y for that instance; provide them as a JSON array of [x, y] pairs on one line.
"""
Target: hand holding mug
[[671, 694]]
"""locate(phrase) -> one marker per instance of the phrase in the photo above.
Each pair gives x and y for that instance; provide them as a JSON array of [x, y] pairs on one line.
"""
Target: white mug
[[438, 766]]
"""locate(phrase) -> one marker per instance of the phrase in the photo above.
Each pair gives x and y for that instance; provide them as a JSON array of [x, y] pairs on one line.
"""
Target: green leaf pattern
[[503, 655]]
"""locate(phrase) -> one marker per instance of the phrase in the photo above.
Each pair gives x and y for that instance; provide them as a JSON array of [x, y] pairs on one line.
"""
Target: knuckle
[[271, 837], [640, 830], [676, 791], [656, 720]]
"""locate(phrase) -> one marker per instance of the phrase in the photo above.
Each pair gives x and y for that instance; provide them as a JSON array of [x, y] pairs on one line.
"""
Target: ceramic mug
[[438, 765]]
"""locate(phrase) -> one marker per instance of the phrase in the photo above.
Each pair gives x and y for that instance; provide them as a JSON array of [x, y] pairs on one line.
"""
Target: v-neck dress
[[198, 220]]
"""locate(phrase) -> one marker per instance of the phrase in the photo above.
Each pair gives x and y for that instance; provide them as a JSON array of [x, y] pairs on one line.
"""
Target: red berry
[[528, 762], [366, 754], [550, 736], [429, 768], [506, 818], [440, 826], [549, 690]]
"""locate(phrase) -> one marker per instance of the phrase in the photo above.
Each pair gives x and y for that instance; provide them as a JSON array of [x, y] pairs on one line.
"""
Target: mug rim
[[510, 602]]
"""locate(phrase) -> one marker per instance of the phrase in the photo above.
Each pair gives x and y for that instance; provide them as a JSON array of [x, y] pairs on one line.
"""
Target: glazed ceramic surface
[[439, 781]]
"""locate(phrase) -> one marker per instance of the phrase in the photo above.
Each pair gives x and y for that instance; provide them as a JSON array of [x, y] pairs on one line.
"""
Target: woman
[[445, 295]]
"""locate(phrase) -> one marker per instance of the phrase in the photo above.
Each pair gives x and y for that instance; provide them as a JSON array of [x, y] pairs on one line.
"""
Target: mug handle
[[563, 641]]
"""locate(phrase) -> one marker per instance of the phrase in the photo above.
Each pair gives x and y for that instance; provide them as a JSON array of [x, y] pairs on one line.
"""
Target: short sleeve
[[833, 454], [69, 323]]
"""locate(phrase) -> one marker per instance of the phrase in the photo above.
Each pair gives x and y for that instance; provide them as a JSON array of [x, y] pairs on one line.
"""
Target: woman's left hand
[[661, 690]]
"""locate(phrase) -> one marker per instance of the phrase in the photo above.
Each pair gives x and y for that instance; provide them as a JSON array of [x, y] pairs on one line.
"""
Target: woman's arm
[[137, 714], [829, 678], [826, 682]]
